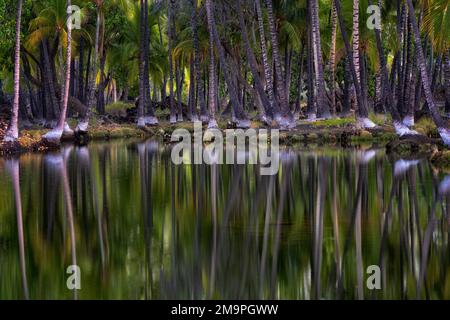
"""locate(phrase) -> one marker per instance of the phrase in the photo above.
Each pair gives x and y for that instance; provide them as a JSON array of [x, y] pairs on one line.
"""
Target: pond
[[140, 227]]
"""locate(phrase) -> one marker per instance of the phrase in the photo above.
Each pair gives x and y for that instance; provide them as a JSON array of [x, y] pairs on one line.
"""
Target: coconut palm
[[12, 134], [442, 125], [55, 135]]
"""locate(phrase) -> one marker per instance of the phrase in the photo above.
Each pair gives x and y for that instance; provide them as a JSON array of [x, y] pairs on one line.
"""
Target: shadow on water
[[141, 227]]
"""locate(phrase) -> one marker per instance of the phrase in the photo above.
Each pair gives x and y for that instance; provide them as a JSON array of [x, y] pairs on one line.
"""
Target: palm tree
[[265, 59], [212, 88], [54, 136], [253, 66], [200, 94], [83, 124], [442, 125], [323, 106], [170, 31], [361, 106], [333, 57], [284, 118], [12, 134]]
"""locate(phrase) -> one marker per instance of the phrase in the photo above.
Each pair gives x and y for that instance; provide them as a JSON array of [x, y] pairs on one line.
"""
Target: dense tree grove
[[276, 61]]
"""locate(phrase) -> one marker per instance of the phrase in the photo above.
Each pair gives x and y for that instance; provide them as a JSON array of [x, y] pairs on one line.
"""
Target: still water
[[140, 227]]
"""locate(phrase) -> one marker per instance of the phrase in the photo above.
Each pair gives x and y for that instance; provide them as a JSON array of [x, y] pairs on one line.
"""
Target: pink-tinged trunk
[[65, 98], [13, 130]]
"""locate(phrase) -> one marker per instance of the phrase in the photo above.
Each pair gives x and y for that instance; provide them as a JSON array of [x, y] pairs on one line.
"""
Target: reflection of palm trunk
[[359, 259], [318, 228], [212, 277], [69, 211], [276, 246], [266, 238], [335, 218], [14, 171]]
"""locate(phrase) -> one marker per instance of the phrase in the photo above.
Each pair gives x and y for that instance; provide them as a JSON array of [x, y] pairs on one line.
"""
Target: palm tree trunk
[[322, 102], [83, 125], [265, 58], [400, 128], [285, 118], [311, 106], [253, 65], [150, 118], [12, 134], [198, 78], [361, 106], [447, 81], [173, 116], [440, 123], [362, 113], [55, 135], [333, 58], [212, 87], [241, 118], [142, 96]]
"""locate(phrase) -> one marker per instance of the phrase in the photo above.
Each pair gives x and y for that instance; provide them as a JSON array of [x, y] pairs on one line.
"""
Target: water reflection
[[141, 227]]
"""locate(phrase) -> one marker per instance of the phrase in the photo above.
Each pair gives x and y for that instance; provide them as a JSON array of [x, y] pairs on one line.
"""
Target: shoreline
[[336, 132]]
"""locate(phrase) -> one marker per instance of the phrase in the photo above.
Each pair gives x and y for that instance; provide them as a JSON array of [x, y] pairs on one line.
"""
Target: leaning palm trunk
[[284, 118], [55, 135], [322, 102], [442, 125], [13, 130], [241, 118], [400, 128], [253, 66], [447, 81]]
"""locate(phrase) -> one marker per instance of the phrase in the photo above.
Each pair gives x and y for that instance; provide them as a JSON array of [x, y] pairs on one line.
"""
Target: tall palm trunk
[[13, 130], [362, 103], [265, 59], [198, 79], [212, 87], [442, 125], [285, 118], [361, 106], [173, 115], [150, 118], [141, 103], [55, 135], [322, 102], [333, 58]]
